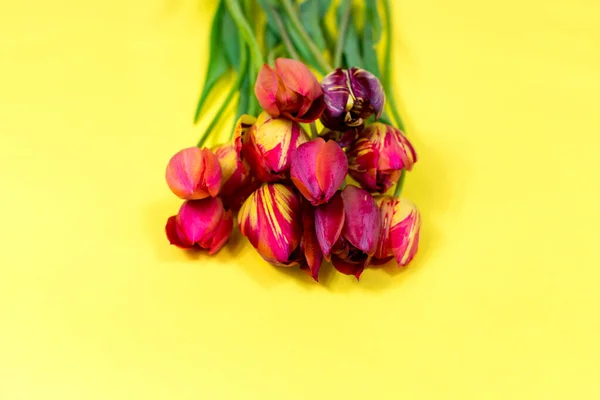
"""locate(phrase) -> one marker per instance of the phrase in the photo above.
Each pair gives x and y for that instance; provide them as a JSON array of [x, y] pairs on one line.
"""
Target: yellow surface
[[501, 302]]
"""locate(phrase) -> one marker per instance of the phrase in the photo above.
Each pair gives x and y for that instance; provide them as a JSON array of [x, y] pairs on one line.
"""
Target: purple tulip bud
[[351, 96]]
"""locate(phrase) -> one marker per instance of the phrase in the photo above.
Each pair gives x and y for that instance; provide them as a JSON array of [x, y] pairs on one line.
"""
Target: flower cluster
[[289, 190]]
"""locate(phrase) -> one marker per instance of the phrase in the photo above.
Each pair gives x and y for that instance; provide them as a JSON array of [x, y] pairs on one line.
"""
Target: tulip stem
[[234, 89], [387, 70], [339, 45], [284, 35], [242, 23], [293, 16], [400, 184], [313, 130]]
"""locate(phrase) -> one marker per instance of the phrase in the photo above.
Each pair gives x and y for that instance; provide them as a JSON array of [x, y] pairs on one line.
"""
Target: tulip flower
[[377, 157], [200, 224], [351, 96], [194, 174], [268, 145], [290, 90], [400, 230], [270, 219], [318, 168], [347, 229], [281, 228]]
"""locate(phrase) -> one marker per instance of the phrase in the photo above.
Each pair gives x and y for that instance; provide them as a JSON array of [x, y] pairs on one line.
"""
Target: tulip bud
[[268, 145], [318, 168], [400, 230], [377, 157], [202, 224], [351, 96], [347, 229], [271, 220], [290, 90], [194, 174]]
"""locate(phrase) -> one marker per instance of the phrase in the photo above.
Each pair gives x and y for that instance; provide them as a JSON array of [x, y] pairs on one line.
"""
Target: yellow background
[[501, 302]]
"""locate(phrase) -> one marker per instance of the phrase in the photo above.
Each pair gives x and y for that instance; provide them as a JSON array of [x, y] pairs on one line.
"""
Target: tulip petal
[[302, 169], [405, 231], [348, 268], [265, 90], [269, 218], [310, 243], [367, 87], [363, 225], [212, 176], [362, 164], [329, 222], [174, 236], [335, 94], [386, 210], [331, 168], [199, 219], [184, 174], [296, 76], [221, 235]]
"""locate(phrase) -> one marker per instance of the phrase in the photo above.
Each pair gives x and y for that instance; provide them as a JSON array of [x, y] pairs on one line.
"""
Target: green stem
[[400, 184], [313, 130], [242, 23], [387, 62], [293, 16], [339, 46], [284, 35], [392, 106], [275, 51], [234, 89]]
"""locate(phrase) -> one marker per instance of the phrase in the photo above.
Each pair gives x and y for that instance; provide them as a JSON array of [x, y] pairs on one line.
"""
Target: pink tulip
[[194, 174], [290, 90], [400, 230], [347, 229], [318, 168], [377, 157], [268, 145], [200, 224]]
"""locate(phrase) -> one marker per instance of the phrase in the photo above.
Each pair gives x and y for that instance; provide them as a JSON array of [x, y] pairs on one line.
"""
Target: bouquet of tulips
[[308, 175]]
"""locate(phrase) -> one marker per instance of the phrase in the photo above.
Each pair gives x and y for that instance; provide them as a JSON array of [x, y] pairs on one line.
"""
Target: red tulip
[[194, 174], [200, 223], [268, 145], [280, 228], [318, 169], [347, 229], [290, 90], [378, 156], [400, 231]]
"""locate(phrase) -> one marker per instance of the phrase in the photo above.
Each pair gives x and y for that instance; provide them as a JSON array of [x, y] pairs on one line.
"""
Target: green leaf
[[230, 40], [324, 7], [217, 64], [267, 6], [370, 38], [300, 45], [272, 39], [311, 17], [352, 54], [244, 99]]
